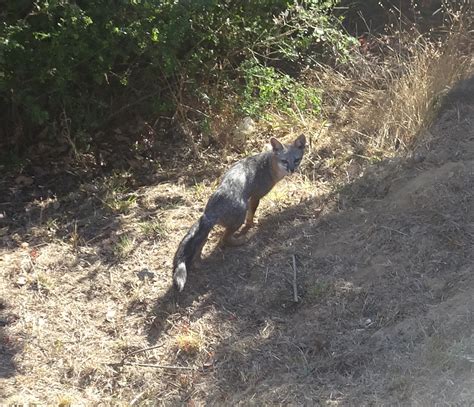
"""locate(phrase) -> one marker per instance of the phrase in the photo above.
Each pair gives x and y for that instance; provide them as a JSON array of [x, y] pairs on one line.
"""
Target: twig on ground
[[161, 366], [156, 366], [139, 351], [295, 288], [136, 398], [102, 233], [393, 230]]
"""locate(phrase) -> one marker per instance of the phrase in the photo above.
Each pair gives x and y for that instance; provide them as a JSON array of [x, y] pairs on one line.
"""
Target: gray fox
[[236, 200]]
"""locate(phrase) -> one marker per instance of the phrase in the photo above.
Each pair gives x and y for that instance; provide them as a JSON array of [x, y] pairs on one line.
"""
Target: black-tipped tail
[[188, 248]]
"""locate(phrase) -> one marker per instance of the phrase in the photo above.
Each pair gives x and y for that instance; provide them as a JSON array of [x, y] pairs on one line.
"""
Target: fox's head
[[287, 157]]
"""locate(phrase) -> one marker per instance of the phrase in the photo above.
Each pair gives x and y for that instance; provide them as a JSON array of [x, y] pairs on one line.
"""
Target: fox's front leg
[[249, 222]]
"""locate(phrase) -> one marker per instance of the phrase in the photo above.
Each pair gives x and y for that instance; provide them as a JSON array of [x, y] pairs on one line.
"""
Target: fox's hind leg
[[253, 205], [232, 223], [232, 218]]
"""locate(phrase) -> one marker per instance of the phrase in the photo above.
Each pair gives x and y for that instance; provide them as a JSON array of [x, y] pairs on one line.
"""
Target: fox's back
[[248, 177]]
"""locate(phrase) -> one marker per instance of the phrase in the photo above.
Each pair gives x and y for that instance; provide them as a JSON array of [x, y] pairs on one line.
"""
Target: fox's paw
[[234, 240], [247, 227], [244, 230]]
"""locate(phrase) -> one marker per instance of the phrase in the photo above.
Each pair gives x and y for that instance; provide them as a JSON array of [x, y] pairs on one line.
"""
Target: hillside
[[384, 272]]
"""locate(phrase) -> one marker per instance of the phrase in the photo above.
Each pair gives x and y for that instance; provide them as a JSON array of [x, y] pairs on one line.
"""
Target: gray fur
[[192, 241], [253, 177]]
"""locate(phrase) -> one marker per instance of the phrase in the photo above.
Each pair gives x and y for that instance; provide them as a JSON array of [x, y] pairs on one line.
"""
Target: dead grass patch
[[381, 101], [389, 99], [407, 108], [189, 343]]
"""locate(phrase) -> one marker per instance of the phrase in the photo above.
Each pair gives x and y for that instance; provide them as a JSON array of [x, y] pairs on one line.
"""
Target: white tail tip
[[179, 276]]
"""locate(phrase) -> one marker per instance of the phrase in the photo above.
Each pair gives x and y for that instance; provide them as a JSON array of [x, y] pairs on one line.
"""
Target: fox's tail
[[187, 249]]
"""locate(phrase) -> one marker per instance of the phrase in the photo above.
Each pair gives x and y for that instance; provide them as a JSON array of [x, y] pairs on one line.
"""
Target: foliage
[[266, 88], [92, 61]]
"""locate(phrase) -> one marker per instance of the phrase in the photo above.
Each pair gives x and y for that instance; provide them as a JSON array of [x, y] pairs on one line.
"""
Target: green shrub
[[266, 89], [90, 62]]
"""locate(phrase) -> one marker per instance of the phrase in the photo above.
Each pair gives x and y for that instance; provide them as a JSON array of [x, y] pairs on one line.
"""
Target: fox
[[235, 201]]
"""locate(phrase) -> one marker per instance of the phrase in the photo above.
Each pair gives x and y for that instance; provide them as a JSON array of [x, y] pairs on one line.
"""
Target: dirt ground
[[384, 279]]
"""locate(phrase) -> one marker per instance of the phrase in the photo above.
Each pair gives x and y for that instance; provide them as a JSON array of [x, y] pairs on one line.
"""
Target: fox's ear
[[300, 142], [276, 145]]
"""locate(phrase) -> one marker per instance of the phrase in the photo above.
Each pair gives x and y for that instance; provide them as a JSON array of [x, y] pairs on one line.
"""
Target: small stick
[[160, 366], [295, 288], [140, 350], [393, 230], [136, 398]]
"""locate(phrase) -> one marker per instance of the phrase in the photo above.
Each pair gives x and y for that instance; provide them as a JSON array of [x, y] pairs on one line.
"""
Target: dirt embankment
[[384, 278]]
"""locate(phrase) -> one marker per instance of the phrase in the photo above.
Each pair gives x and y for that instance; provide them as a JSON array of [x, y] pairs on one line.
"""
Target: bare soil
[[384, 278]]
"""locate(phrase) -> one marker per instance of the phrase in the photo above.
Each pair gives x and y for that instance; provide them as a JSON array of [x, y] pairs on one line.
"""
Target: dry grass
[[410, 100], [189, 343], [384, 313]]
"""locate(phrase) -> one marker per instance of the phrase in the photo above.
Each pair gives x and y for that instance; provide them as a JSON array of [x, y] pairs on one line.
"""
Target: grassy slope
[[384, 273]]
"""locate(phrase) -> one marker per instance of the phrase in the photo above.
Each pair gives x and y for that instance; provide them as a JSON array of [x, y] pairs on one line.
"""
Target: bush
[[268, 89], [91, 61]]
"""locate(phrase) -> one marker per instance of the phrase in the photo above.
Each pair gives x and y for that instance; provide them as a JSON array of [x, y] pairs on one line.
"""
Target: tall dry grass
[[380, 102], [398, 96], [413, 99]]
